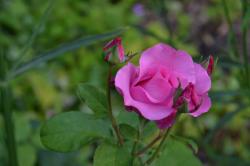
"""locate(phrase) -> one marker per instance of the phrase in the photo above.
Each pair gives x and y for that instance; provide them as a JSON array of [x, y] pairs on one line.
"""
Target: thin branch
[[110, 112], [233, 41], [157, 151], [5, 108], [152, 143], [244, 40]]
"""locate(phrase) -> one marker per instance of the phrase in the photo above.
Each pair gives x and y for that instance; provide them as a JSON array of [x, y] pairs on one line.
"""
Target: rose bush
[[151, 88]]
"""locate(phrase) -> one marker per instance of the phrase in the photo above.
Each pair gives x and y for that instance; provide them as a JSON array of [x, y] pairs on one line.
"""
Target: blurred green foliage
[[199, 27]]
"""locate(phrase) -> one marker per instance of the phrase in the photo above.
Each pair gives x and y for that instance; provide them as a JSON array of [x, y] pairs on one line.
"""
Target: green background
[[199, 27]]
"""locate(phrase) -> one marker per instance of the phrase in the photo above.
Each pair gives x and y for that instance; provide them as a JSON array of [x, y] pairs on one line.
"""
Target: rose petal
[[138, 93], [210, 66], [107, 56], [203, 81], [121, 52], [177, 62], [112, 43], [174, 81], [157, 89], [167, 122], [204, 107], [123, 80], [152, 111]]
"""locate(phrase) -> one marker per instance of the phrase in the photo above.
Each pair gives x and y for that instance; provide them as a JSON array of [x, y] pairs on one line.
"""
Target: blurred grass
[[199, 27]]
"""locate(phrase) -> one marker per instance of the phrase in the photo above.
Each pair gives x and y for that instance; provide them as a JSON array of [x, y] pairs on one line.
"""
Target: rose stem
[[130, 57], [245, 7], [157, 151], [233, 42], [153, 142], [151, 159], [5, 107], [110, 112], [139, 133]]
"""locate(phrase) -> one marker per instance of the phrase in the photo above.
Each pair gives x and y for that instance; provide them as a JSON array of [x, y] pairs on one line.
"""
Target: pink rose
[[150, 88]]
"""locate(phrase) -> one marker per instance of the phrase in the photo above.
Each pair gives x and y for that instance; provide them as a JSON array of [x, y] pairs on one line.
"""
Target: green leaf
[[128, 131], [130, 118], [69, 131], [111, 155], [176, 154], [150, 130], [60, 50], [187, 141], [26, 155], [34, 34], [94, 98], [22, 126]]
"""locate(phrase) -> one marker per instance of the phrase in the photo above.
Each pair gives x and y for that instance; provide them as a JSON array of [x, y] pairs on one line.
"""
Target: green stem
[[152, 143], [139, 133], [151, 159], [233, 41], [5, 107], [110, 112], [136, 141], [244, 40]]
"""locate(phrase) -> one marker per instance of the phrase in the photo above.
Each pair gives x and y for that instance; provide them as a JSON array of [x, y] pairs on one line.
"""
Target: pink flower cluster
[[151, 88]]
